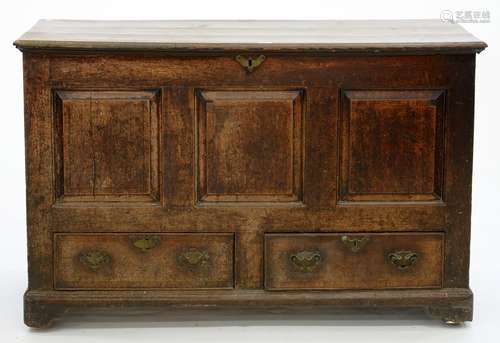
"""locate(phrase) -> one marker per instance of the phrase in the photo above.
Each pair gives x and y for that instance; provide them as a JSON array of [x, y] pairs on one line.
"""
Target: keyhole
[[249, 62]]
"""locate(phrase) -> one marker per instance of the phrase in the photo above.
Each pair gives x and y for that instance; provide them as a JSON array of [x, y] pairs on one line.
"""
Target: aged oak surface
[[109, 145], [113, 261], [332, 261], [248, 164], [303, 35], [237, 130]]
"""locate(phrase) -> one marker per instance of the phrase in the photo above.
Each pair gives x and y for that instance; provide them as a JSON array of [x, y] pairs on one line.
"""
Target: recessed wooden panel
[[329, 261], [107, 145], [250, 146], [391, 145], [114, 261]]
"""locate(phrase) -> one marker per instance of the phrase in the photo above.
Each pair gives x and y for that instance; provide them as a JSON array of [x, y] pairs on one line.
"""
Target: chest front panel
[[301, 144]]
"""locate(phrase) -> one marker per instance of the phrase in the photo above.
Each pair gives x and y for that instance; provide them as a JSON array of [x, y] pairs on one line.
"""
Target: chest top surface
[[372, 36]]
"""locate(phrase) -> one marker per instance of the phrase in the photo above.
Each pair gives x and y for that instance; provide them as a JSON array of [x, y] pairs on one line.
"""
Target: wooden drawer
[[114, 261], [353, 261]]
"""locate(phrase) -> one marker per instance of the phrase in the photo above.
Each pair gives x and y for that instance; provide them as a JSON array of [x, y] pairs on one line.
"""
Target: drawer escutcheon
[[94, 259], [306, 261], [145, 243], [403, 259], [355, 244], [193, 258]]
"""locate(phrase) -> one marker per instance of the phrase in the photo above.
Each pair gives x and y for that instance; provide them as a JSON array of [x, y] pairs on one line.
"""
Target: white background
[[18, 16]]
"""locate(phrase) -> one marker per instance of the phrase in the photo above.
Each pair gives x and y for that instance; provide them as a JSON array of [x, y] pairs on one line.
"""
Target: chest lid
[[339, 36]]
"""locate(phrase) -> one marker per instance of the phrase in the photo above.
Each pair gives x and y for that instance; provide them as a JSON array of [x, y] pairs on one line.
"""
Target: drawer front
[[114, 261], [353, 261]]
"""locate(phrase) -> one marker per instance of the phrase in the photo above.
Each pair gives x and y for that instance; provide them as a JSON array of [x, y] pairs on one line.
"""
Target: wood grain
[[146, 133], [392, 145], [250, 146], [338, 36], [338, 267], [108, 145], [43, 306], [129, 267]]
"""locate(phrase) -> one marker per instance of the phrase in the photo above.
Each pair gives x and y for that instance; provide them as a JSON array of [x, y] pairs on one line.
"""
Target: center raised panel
[[250, 146]]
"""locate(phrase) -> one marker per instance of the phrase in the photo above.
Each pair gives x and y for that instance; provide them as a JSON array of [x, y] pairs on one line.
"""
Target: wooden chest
[[248, 164]]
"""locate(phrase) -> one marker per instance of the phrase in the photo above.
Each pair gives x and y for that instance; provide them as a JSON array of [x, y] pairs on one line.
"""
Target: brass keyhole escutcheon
[[355, 244], [250, 63], [145, 243]]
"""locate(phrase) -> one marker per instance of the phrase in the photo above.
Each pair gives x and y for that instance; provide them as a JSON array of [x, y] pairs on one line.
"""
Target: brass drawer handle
[[355, 244], [193, 258], [403, 259], [306, 261], [250, 63], [145, 243], [94, 259]]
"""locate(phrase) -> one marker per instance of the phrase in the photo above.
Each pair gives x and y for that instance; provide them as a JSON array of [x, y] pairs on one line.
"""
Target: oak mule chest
[[248, 164]]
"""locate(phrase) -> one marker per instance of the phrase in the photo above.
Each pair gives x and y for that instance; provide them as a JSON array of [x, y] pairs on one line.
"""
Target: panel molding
[[287, 191], [77, 156], [429, 183]]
